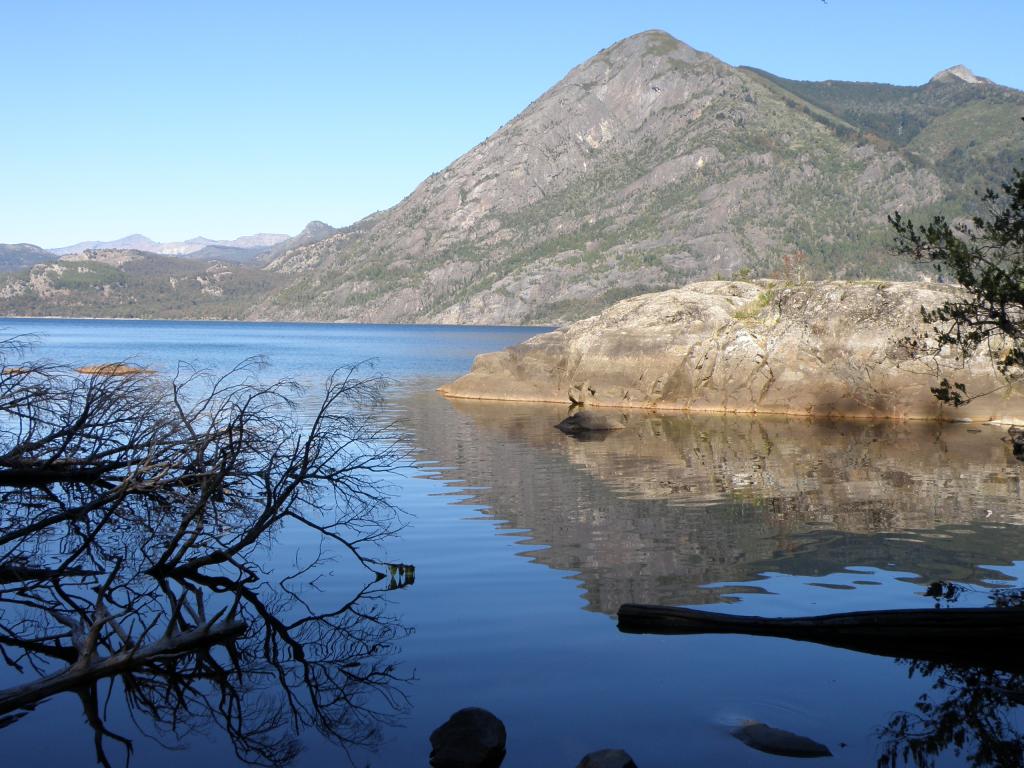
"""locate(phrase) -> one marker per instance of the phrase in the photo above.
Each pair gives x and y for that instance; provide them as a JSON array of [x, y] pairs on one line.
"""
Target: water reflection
[[196, 653], [687, 508], [652, 512], [168, 554], [972, 712]]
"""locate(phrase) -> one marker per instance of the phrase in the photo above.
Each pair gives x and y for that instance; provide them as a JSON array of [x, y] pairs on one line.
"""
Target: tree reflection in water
[[137, 519], [972, 710]]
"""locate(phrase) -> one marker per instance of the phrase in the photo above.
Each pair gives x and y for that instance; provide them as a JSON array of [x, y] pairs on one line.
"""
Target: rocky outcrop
[[833, 349]]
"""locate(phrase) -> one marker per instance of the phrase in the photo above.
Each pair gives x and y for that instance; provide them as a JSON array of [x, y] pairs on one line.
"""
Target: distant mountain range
[[260, 242], [649, 165], [246, 249]]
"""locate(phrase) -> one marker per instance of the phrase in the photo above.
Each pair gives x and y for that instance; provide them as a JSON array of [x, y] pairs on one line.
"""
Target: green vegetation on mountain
[[968, 131], [648, 166], [135, 284]]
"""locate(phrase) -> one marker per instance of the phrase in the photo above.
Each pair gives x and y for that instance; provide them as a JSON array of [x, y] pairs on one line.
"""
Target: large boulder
[[471, 738], [831, 349]]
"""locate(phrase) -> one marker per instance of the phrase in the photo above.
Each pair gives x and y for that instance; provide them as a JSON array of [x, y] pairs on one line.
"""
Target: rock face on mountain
[[832, 349]]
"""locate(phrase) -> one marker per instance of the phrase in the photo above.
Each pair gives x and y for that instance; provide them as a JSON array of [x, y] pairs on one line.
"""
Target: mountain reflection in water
[[699, 508], [672, 502]]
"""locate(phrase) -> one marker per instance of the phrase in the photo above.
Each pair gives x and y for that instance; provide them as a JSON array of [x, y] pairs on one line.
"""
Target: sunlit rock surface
[[831, 349]]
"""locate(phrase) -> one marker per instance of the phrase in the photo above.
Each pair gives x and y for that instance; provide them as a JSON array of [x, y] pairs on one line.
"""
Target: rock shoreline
[[833, 349]]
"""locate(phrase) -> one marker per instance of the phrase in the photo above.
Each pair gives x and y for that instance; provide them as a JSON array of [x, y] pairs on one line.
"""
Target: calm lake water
[[525, 542]]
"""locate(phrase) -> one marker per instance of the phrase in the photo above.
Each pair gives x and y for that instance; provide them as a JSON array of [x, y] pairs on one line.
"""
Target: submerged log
[[991, 637]]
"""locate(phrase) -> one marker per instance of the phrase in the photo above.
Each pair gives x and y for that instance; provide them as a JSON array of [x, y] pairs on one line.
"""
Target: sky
[[179, 119]]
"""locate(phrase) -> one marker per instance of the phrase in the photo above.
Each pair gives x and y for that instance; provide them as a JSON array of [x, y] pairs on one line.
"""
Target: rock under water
[[607, 758], [470, 738], [775, 741]]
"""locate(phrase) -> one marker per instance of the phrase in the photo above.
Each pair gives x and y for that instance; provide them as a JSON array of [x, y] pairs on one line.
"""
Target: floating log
[[991, 637]]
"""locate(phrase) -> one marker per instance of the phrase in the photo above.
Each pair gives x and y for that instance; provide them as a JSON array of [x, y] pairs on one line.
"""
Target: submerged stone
[[607, 758], [471, 738], [590, 421], [775, 741]]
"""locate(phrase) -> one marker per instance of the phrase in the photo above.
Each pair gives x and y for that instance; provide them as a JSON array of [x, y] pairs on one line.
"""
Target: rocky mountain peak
[[653, 42], [644, 56], [959, 72], [315, 228], [579, 129]]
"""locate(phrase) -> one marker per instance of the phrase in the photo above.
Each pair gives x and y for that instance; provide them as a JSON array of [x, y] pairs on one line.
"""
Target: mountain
[[131, 242], [131, 283], [253, 243], [959, 72], [312, 233], [15, 257], [964, 127], [649, 165]]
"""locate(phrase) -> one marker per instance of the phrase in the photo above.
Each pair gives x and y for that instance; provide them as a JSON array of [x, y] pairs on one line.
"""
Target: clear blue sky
[[177, 119]]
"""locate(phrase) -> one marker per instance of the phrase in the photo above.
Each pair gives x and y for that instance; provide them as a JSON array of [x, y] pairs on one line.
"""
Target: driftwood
[[990, 637], [114, 369]]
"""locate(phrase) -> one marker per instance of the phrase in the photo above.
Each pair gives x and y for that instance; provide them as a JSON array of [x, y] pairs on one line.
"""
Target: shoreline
[[539, 328], [680, 409]]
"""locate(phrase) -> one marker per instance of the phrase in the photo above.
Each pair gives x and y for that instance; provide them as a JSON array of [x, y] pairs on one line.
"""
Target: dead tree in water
[[136, 514]]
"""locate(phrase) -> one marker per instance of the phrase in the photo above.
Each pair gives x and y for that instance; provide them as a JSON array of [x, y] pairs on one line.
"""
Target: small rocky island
[[835, 349]]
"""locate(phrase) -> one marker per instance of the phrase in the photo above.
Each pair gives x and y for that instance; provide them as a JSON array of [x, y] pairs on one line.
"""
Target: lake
[[525, 542]]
